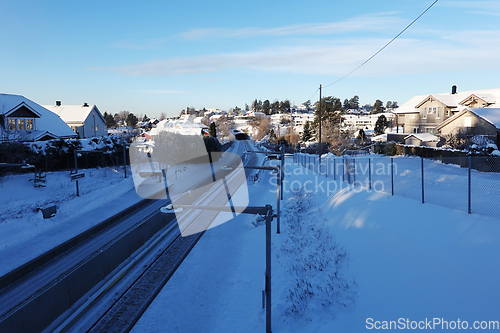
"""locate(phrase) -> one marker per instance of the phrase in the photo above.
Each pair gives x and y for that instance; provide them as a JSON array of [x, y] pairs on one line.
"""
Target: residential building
[[21, 119], [432, 113], [85, 120]]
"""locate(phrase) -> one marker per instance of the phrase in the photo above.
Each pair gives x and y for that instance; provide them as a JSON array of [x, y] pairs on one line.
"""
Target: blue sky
[[157, 56]]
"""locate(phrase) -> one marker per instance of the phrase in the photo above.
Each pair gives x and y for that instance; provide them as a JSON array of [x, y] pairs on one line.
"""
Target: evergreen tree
[[361, 135], [378, 107], [347, 104], [131, 120], [272, 137], [354, 102], [380, 125], [110, 120], [266, 107], [306, 134], [212, 130]]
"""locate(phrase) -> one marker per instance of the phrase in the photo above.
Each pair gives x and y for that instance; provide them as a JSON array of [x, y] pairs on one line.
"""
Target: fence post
[[334, 171], [369, 173], [422, 168], [392, 175], [354, 174], [469, 194], [343, 169], [326, 159]]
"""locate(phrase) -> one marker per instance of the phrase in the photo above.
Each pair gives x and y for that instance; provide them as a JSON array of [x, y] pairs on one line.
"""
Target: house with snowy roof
[[471, 112], [85, 120], [21, 119]]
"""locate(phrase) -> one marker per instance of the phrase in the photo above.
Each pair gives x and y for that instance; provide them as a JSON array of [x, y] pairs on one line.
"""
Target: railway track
[[76, 280]]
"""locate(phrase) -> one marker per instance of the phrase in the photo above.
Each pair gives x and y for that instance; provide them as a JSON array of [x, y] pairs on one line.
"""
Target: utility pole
[[320, 116]]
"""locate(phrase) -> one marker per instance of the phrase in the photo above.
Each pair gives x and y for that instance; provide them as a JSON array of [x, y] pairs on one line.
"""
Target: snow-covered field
[[346, 258], [345, 261], [25, 234]]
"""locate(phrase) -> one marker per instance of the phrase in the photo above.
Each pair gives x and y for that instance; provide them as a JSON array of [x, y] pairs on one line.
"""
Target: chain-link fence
[[469, 184]]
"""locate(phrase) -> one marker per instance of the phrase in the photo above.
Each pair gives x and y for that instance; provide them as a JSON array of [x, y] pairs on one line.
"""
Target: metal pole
[[77, 189], [469, 192], [320, 115], [76, 163], [369, 173], [125, 159], [392, 176], [334, 171], [278, 202], [269, 218], [327, 167], [354, 174], [282, 170], [422, 167]]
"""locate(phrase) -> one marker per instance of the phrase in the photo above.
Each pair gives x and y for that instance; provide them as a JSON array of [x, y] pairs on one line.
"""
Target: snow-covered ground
[[25, 234], [345, 259], [344, 262]]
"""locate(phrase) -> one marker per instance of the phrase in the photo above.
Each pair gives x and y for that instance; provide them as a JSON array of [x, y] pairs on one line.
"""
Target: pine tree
[[272, 137], [212, 130], [306, 134], [361, 135], [110, 120], [380, 125]]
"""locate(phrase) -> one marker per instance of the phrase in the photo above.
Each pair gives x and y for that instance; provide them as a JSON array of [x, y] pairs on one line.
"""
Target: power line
[[392, 40]]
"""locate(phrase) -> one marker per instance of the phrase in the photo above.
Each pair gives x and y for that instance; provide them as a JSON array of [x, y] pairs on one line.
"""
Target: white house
[[86, 120], [22, 119]]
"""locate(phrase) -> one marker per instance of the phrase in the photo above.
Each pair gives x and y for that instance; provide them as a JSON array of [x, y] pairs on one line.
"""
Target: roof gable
[[487, 99], [430, 98], [22, 110]]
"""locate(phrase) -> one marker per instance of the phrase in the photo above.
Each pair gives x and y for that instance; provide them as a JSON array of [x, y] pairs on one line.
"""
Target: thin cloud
[[150, 44], [408, 56], [360, 23], [476, 7], [160, 91]]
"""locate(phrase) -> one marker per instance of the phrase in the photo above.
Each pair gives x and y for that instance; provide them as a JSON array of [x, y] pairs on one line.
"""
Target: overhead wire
[[392, 40]]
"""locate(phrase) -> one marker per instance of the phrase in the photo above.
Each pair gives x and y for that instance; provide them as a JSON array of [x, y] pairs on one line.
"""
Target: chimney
[[58, 103], [85, 105], [453, 90]]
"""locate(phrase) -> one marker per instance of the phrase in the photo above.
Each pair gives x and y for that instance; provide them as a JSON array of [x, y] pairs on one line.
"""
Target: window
[[438, 114], [29, 124], [467, 121], [424, 115], [447, 112], [12, 124]]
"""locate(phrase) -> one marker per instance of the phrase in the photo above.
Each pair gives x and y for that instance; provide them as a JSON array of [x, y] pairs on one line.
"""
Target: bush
[[390, 149]]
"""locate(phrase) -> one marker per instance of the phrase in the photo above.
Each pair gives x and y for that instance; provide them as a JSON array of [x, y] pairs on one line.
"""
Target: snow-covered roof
[[424, 137], [491, 96], [48, 121], [73, 113], [491, 115], [410, 106]]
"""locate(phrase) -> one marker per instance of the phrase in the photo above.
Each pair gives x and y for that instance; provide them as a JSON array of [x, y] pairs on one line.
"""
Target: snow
[[392, 257], [48, 120], [73, 113], [344, 255], [24, 234]]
